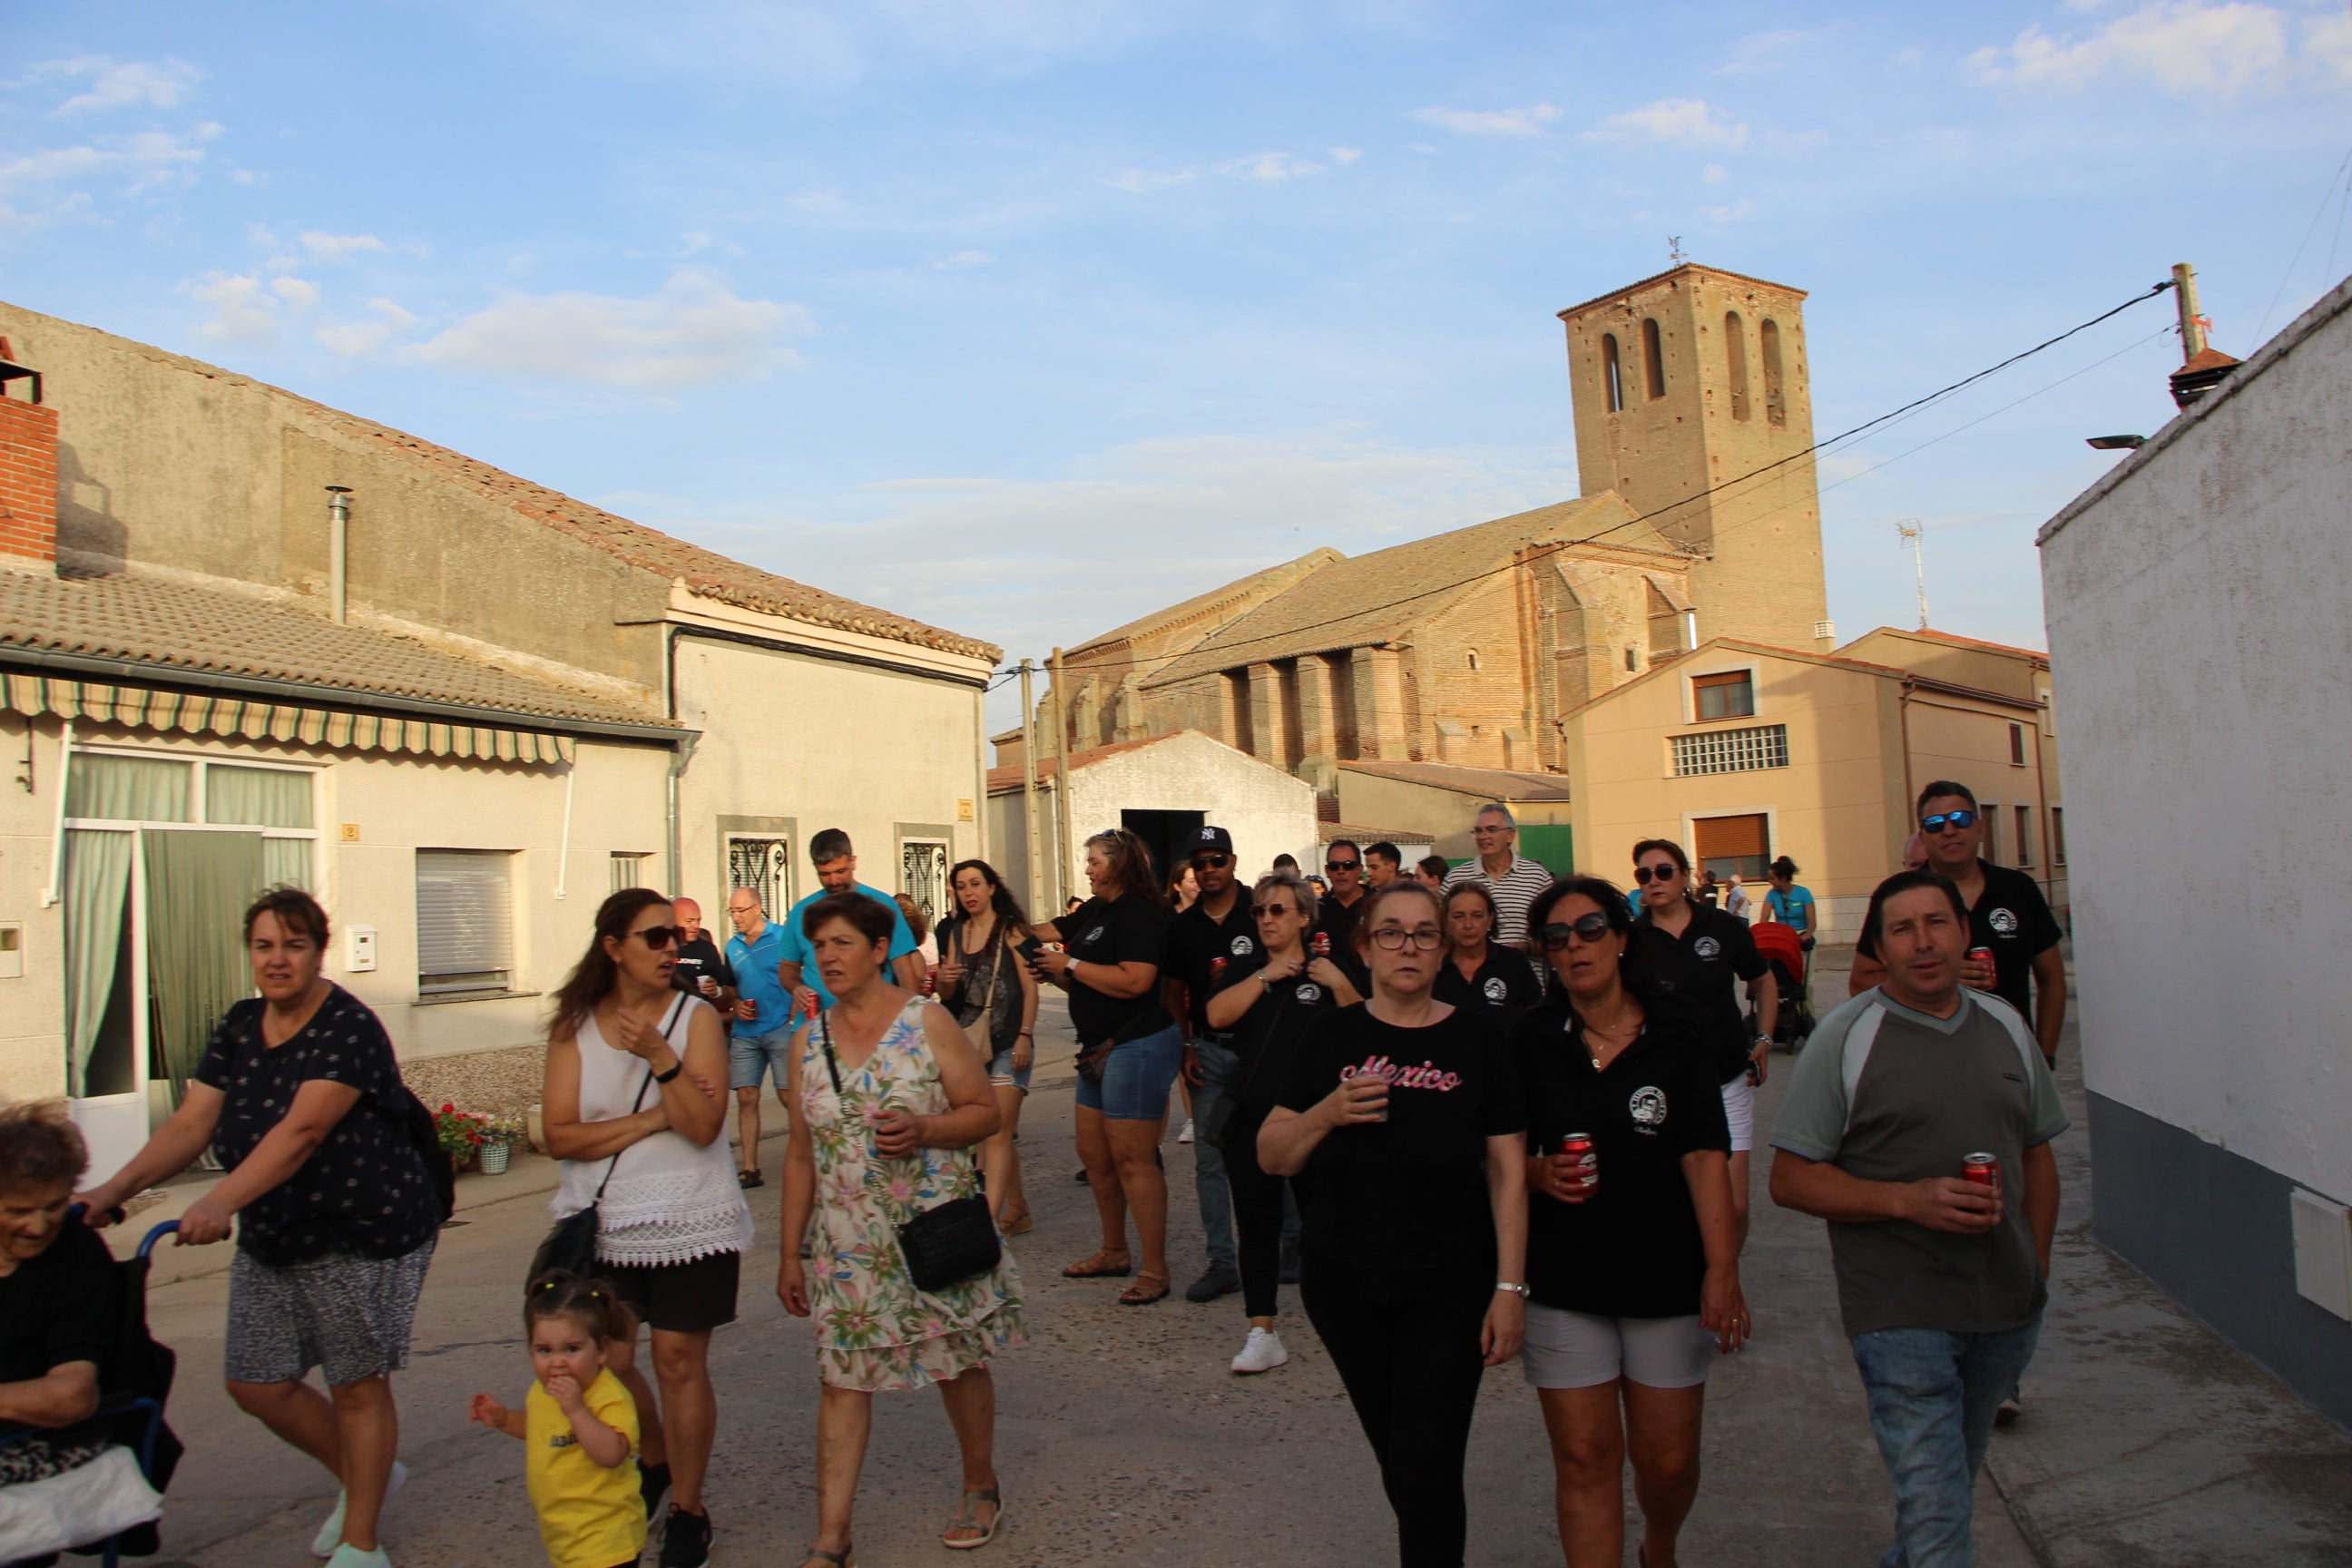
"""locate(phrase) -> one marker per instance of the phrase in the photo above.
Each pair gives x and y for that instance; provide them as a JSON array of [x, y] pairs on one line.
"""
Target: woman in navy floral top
[[301, 1097]]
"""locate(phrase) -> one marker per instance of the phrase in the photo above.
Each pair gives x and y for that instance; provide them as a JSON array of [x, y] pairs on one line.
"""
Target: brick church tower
[[1696, 379]]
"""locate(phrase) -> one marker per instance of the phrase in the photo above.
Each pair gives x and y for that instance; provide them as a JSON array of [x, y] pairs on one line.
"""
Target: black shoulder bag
[[944, 1246], [571, 1243]]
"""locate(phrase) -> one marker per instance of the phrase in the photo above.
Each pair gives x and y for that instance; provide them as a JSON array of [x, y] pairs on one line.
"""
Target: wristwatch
[[1519, 1291]]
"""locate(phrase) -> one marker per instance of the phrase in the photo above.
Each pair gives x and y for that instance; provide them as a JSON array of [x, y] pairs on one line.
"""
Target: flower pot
[[494, 1158]]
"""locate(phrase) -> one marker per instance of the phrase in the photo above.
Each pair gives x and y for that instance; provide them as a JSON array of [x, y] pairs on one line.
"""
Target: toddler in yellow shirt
[[578, 1424]]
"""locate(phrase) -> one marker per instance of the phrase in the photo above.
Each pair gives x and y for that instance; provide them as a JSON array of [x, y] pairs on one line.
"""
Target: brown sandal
[[1097, 1265], [1133, 1295]]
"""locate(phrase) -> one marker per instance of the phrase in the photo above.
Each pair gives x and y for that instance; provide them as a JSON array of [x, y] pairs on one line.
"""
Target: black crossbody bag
[[944, 1246], [571, 1243]]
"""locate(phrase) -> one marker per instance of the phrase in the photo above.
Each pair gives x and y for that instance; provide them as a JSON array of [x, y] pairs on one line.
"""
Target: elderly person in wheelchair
[[71, 1341]]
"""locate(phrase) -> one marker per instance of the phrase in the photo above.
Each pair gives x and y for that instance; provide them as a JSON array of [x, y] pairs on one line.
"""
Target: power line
[[1555, 547], [2309, 229]]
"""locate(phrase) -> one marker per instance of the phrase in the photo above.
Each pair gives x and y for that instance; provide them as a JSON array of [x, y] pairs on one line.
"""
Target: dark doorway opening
[[1167, 835]]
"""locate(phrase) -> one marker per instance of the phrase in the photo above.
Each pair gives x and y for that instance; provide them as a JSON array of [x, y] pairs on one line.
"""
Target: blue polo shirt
[[754, 963], [796, 949]]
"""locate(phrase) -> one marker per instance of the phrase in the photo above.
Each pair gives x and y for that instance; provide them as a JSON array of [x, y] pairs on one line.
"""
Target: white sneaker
[[331, 1535], [353, 1557], [1262, 1352], [1185, 1136]]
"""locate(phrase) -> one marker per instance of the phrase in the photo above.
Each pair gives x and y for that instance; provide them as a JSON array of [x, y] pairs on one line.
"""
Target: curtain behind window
[[198, 885], [286, 863], [128, 789], [265, 798], [96, 884]]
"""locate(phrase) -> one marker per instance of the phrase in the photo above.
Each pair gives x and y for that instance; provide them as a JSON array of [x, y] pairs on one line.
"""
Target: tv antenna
[[1914, 534]]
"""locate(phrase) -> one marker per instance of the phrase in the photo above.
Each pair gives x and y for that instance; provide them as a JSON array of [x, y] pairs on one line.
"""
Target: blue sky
[[1026, 316]]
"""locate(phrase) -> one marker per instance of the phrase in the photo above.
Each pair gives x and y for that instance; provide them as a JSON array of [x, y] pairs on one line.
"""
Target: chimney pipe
[[339, 513], [2192, 325]]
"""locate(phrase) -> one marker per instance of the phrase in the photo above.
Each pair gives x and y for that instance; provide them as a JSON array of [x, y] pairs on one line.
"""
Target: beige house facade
[[246, 638], [1439, 802], [1742, 752]]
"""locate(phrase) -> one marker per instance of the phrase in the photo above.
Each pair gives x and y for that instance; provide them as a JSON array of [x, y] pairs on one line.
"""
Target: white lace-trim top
[[670, 1201]]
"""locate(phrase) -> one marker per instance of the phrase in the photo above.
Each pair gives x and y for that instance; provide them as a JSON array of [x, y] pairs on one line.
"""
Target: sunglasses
[[1654, 874], [1267, 912], [1588, 928], [1343, 865], [659, 937], [1211, 862], [1942, 820], [1389, 938]]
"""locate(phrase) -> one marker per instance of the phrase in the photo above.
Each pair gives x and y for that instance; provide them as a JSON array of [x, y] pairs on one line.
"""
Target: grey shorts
[[1581, 1350], [347, 1316]]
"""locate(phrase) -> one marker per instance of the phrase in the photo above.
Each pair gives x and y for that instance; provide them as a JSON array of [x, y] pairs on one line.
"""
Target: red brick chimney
[[28, 464]]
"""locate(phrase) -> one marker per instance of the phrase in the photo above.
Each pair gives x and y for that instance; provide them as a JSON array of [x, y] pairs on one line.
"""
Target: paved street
[[1124, 1440]]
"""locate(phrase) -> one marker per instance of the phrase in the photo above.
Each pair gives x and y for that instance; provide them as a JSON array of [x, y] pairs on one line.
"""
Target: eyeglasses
[[1343, 865], [1587, 928], [1389, 939], [1490, 827], [1656, 873], [1938, 822], [1268, 912], [659, 937], [1211, 862]]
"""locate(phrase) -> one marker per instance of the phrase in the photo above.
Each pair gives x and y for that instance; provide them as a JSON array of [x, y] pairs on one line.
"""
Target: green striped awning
[[250, 719]]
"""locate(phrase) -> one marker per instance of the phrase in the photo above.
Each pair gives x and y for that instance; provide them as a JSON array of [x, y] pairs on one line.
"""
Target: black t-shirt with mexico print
[[364, 1190], [1130, 930], [1633, 1248], [1405, 1197], [2012, 918], [1267, 1038]]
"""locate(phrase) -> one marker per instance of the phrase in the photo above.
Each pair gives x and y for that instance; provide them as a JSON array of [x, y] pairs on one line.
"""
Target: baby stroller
[[1783, 947], [131, 1409]]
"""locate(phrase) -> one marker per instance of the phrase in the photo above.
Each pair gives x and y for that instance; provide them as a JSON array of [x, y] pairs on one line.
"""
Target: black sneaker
[[1218, 1281], [686, 1539], [653, 1481]]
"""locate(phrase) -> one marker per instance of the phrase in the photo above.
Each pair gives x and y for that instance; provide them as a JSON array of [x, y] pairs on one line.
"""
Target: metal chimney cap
[[339, 489]]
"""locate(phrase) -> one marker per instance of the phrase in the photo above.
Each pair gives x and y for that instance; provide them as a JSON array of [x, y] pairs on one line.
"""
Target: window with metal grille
[[1732, 751], [630, 869], [465, 921]]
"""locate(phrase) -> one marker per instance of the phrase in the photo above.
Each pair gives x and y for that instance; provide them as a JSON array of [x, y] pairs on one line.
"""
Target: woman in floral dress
[[886, 1095]]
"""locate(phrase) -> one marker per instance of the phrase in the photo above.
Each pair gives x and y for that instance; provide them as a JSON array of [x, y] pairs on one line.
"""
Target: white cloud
[[1527, 121], [354, 338], [324, 247], [1714, 173], [2185, 47], [1762, 54], [1724, 217], [243, 309], [29, 193], [1143, 180], [1345, 156], [960, 260], [1270, 166], [692, 331], [116, 85], [1674, 122], [298, 293]]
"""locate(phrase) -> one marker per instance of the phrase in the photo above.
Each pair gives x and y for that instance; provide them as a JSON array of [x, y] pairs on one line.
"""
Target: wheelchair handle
[[147, 1243]]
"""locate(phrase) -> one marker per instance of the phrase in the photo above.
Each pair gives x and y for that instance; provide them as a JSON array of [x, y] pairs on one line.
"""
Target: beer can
[[1322, 944], [1579, 1146], [1217, 971], [1981, 955], [1983, 1170]]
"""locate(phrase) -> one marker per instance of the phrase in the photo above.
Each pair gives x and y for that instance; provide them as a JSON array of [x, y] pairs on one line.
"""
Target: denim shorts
[[750, 1058], [1137, 1078], [1001, 1070]]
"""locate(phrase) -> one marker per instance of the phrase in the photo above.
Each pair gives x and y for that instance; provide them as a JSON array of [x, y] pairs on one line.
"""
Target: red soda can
[[1981, 955], [1216, 971], [1578, 1146], [1983, 1170], [1322, 944]]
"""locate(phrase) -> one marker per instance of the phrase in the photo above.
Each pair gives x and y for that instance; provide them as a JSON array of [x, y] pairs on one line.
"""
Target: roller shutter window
[[464, 922], [1734, 843]]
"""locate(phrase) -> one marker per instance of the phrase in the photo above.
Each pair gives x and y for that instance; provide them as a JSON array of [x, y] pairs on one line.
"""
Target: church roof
[[1366, 600], [1623, 289], [1203, 605]]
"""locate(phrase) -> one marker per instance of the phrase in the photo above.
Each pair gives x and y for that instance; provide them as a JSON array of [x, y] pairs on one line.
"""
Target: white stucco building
[[2197, 604]]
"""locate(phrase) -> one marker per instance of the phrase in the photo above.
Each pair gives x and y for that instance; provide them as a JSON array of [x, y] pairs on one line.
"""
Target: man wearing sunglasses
[[2006, 913], [1510, 879], [1218, 926], [1343, 864]]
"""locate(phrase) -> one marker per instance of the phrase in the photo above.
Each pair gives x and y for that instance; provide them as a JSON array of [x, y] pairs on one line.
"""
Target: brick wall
[[28, 479]]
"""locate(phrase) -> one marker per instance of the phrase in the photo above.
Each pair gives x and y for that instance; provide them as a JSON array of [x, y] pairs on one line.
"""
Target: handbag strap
[[639, 1104]]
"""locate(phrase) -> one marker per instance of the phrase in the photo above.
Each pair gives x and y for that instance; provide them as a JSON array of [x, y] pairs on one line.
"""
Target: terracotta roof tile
[[174, 627], [1495, 783]]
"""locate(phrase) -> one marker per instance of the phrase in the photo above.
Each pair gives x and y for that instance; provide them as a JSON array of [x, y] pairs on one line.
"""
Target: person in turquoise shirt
[[763, 1015], [1792, 905], [836, 872]]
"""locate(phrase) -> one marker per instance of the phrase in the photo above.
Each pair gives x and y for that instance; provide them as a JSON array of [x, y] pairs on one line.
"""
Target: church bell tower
[[1693, 401]]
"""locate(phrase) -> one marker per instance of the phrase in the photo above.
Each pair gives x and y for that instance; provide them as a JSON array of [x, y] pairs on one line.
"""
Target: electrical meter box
[[359, 949]]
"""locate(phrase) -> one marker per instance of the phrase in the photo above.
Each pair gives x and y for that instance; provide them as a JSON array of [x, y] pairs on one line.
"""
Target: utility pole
[[1029, 784], [2192, 324], [1060, 720], [1914, 534]]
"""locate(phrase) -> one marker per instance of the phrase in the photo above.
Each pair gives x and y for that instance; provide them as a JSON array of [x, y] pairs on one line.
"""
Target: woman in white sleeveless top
[[634, 1071]]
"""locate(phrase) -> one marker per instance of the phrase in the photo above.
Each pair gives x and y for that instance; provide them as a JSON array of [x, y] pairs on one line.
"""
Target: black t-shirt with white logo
[[1702, 971], [1116, 931], [1402, 1204], [1195, 941], [1505, 985], [1633, 1248], [1268, 1034], [2012, 918]]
